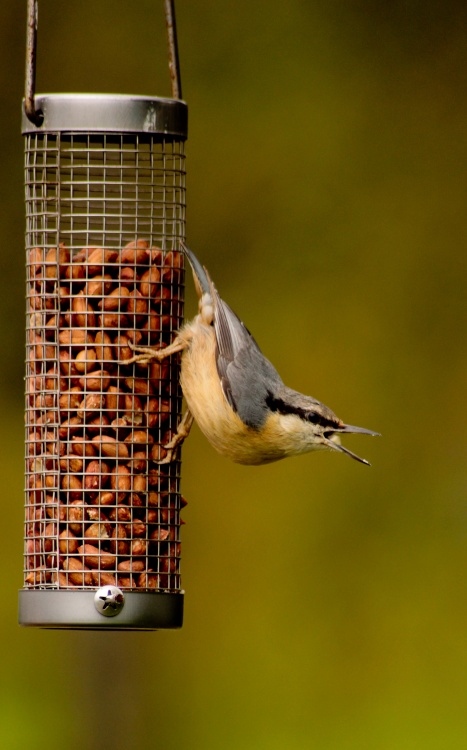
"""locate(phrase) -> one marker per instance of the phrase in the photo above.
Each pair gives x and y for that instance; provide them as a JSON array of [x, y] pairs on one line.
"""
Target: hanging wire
[[174, 64], [36, 116], [31, 48]]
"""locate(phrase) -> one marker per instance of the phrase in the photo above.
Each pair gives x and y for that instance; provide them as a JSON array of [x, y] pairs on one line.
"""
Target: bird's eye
[[316, 418]]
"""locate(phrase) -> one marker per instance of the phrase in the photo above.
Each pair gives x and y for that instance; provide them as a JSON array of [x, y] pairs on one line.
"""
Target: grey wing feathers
[[247, 377]]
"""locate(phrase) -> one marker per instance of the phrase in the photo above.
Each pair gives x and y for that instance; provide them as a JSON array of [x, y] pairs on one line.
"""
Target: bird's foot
[[182, 433]]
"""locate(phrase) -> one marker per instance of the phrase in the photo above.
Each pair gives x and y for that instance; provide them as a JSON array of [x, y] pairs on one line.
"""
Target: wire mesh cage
[[105, 211]]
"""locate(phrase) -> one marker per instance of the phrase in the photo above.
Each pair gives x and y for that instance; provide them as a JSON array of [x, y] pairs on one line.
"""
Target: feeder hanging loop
[[35, 115]]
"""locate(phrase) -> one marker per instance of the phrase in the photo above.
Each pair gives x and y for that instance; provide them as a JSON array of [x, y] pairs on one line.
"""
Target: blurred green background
[[326, 602]]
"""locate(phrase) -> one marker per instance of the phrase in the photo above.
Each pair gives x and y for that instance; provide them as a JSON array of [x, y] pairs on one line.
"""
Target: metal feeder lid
[[114, 113]]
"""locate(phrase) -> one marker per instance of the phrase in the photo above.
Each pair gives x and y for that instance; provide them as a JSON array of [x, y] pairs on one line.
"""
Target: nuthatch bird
[[236, 395]]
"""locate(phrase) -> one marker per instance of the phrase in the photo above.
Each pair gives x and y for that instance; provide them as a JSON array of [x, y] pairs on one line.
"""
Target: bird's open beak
[[360, 430], [332, 440]]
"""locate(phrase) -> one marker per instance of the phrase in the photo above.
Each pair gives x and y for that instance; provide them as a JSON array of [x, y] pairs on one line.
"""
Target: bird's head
[[318, 426]]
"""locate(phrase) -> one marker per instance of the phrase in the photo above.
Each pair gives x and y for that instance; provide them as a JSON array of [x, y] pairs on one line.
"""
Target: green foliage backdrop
[[326, 602]]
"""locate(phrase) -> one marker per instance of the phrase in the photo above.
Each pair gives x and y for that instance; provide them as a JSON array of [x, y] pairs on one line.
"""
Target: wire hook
[[174, 64], [34, 115]]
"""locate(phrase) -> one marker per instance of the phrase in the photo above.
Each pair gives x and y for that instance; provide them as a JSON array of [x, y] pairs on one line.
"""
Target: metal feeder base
[[78, 610]]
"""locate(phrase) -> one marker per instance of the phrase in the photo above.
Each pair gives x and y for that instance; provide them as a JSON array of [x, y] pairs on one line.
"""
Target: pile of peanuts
[[100, 507]]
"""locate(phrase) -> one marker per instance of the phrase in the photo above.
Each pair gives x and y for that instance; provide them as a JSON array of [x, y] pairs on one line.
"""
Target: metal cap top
[[109, 113]]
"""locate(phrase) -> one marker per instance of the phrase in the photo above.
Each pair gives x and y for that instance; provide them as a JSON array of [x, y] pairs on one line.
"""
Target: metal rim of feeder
[[69, 135], [110, 113]]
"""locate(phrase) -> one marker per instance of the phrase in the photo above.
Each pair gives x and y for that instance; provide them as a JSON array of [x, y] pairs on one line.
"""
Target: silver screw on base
[[109, 601]]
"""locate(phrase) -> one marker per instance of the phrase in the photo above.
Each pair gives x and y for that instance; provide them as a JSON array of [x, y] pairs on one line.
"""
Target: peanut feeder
[[105, 210]]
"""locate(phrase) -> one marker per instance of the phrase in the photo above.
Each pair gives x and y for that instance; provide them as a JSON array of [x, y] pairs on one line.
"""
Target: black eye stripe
[[282, 407], [318, 419]]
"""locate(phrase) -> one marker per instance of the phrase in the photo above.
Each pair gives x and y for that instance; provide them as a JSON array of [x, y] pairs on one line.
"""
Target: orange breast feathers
[[215, 417]]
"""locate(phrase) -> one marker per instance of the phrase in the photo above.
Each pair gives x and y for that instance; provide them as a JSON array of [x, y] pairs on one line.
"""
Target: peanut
[[113, 320], [92, 403], [137, 529], [136, 252], [139, 547], [83, 447], [139, 437], [120, 482], [152, 327], [110, 447], [78, 573], [95, 558], [127, 276], [74, 272], [119, 544], [83, 314], [71, 463], [156, 256], [159, 370], [97, 531], [96, 477], [135, 336], [140, 386], [51, 325], [42, 350], [96, 514], [103, 579], [68, 368], [122, 347], [99, 380], [115, 300], [98, 424], [107, 498], [147, 580], [139, 484], [120, 427], [114, 401], [139, 462], [56, 258], [35, 260], [150, 281], [133, 566], [81, 255], [98, 286], [68, 543], [85, 360], [154, 500], [172, 268], [159, 535], [98, 258], [133, 410], [38, 576], [122, 513], [53, 381], [125, 582], [162, 298], [75, 516], [72, 486], [55, 509], [137, 307], [62, 580], [74, 337]]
